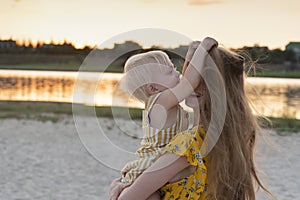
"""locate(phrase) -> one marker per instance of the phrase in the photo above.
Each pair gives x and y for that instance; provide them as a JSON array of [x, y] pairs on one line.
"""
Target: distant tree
[[277, 56], [290, 56], [125, 50], [258, 54]]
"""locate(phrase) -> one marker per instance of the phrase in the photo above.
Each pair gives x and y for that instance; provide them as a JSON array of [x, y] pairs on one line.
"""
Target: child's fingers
[[208, 43], [195, 44]]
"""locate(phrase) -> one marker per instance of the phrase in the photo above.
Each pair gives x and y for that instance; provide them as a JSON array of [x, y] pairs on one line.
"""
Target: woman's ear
[[151, 89]]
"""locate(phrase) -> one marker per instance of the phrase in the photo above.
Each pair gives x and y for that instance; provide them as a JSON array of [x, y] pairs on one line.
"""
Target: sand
[[45, 160]]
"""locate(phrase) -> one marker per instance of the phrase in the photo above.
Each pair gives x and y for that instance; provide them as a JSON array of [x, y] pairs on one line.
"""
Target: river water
[[276, 97]]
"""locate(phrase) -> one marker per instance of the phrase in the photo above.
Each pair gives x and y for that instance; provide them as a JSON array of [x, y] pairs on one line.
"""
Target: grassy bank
[[56, 111], [43, 111], [276, 74], [70, 66], [285, 124]]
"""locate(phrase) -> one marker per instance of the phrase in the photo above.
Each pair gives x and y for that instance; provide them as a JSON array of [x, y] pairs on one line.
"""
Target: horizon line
[[28, 41]]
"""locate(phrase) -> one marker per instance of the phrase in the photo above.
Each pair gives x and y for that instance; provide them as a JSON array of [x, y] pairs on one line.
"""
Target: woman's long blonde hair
[[231, 169]]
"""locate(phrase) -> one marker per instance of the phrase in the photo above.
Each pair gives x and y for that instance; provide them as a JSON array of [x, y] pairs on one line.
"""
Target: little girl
[[149, 77], [157, 70]]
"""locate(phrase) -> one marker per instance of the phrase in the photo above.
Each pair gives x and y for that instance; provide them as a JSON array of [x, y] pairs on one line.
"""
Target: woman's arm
[[156, 176]]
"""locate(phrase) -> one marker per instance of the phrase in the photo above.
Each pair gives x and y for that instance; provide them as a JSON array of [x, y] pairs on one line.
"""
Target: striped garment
[[153, 142]]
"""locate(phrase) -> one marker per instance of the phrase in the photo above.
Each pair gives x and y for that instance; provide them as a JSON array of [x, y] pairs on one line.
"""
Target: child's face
[[166, 77]]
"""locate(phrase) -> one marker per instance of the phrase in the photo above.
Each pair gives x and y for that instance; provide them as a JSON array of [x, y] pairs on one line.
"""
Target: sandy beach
[[46, 160]]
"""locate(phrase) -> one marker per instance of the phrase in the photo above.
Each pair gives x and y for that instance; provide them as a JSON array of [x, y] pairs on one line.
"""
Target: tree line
[[260, 55]]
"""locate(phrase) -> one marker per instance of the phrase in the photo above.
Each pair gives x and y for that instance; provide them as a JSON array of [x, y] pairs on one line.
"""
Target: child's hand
[[208, 43], [116, 187]]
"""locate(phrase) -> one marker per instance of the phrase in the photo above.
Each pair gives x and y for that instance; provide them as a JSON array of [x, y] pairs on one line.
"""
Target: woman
[[228, 170]]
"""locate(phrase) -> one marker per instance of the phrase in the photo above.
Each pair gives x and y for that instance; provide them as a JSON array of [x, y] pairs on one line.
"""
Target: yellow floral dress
[[188, 143]]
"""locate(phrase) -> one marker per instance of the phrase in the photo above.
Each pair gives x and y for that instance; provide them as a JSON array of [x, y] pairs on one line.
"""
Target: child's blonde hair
[[138, 71]]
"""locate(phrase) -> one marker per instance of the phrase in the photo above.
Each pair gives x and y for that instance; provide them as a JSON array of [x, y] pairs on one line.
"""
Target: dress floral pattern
[[188, 143]]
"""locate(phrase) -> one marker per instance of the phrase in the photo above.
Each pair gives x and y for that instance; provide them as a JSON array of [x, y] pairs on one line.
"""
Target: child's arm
[[153, 178], [189, 55], [171, 97]]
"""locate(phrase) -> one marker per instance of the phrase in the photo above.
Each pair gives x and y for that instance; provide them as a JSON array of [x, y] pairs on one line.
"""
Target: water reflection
[[36, 86], [277, 97], [271, 96]]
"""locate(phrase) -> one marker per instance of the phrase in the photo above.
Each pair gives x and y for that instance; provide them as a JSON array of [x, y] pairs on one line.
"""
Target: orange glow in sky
[[234, 23]]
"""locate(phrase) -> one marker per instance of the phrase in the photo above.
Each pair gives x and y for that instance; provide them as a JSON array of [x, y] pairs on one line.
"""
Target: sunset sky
[[234, 23]]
